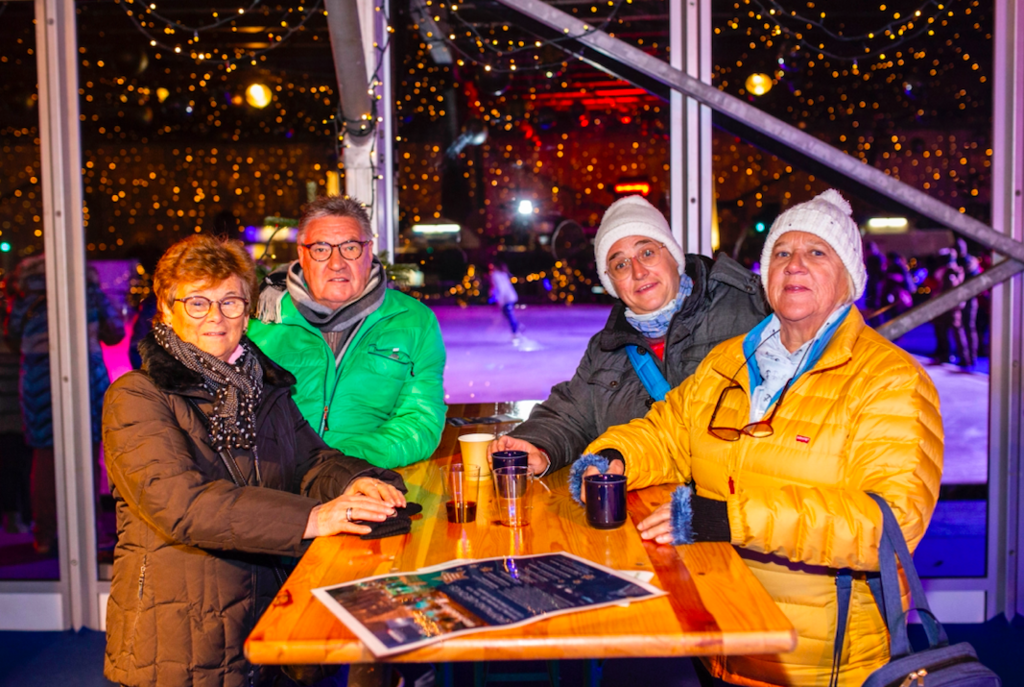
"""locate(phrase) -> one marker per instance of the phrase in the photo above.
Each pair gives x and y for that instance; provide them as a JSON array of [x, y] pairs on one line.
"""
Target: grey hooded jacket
[[727, 300]]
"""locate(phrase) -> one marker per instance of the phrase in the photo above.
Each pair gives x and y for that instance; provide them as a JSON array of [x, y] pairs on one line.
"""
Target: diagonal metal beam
[[761, 122], [805, 145], [971, 288]]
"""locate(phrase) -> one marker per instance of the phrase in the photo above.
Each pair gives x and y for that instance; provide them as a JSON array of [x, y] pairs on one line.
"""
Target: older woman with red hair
[[216, 477]]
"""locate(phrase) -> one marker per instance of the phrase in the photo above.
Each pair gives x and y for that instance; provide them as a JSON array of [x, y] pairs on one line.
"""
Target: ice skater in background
[[504, 294]]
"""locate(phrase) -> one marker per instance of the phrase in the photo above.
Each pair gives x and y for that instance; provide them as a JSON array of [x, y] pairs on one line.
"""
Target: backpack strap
[[648, 372], [893, 547], [844, 590]]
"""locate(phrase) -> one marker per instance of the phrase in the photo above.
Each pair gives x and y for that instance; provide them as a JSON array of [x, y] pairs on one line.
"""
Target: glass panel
[[174, 144], [27, 491], [909, 94], [510, 150]]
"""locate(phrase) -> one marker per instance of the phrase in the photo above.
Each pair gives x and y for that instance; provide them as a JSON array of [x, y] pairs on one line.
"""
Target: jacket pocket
[[607, 379], [391, 361]]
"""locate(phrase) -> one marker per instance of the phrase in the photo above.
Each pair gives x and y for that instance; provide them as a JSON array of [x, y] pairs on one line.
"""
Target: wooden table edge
[[478, 647]]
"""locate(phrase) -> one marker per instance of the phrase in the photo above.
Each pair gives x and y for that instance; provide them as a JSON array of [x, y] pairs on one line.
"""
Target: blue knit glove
[[682, 515], [696, 518], [577, 470]]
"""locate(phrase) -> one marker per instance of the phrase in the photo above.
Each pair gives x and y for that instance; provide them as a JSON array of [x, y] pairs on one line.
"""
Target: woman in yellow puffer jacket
[[781, 435]]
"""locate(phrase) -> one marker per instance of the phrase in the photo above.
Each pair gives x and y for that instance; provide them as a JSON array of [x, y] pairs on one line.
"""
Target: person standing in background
[[503, 293], [27, 330], [16, 457], [950, 276], [972, 268]]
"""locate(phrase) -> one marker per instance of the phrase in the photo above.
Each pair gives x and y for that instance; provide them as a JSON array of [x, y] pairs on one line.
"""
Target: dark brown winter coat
[[195, 557]]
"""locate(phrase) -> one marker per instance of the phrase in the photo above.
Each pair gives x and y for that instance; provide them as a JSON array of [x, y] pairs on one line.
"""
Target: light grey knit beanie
[[632, 216], [830, 218]]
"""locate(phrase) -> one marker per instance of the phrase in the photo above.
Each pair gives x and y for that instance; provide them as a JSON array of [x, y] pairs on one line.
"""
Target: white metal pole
[[64, 242], [1006, 431]]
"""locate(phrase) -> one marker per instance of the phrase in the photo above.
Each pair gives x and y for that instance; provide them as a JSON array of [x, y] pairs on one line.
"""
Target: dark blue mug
[[606, 500], [510, 459]]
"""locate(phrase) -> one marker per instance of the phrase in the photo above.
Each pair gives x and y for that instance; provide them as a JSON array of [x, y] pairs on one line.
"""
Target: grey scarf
[[345, 317], [237, 389]]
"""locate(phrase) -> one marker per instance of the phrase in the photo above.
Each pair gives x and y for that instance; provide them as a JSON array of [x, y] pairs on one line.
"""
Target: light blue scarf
[[774, 365], [654, 325]]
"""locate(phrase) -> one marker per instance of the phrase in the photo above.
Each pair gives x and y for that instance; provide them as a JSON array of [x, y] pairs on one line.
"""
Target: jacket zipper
[[138, 606], [919, 675], [142, 577], [324, 425], [256, 463], [254, 576]]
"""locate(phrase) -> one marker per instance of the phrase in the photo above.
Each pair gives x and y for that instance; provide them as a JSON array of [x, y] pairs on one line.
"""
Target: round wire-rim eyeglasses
[[621, 267]]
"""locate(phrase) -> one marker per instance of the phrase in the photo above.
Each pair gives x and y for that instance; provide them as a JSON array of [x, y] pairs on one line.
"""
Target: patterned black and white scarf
[[237, 388]]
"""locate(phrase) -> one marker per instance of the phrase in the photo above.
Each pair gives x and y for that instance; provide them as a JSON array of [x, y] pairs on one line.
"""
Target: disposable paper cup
[[474, 451]]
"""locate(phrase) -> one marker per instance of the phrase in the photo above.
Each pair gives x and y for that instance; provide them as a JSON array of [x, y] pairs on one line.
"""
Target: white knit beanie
[[829, 217], [632, 216]]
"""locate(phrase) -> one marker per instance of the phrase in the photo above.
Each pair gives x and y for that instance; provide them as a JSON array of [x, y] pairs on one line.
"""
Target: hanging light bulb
[[258, 95]]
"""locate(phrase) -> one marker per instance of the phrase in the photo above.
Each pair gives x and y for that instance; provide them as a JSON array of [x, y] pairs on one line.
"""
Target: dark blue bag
[[940, 665]]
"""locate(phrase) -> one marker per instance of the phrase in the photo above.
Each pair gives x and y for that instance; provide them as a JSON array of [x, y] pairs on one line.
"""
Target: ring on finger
[[348, 514]]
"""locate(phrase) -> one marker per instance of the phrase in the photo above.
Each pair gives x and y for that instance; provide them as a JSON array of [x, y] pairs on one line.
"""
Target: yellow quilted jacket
[[864, 419]]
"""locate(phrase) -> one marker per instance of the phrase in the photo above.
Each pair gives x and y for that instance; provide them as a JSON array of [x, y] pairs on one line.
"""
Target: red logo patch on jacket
[[802, 439]]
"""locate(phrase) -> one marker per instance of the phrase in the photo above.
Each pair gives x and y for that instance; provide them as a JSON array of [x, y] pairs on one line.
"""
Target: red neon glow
[[641, 187]]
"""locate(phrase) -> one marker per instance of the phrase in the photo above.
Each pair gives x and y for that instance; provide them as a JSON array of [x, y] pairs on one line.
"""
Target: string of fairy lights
[[892, 34], [171, 146], [143, 11], [530, 48]]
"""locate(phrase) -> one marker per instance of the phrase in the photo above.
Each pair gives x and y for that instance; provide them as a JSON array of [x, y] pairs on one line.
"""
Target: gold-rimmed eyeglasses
[[621, 267], [758, 430], [761, 428], [350, 250]]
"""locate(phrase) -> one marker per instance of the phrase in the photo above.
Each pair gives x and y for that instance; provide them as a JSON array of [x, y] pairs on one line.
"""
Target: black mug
[[606, 500], [510, 459]]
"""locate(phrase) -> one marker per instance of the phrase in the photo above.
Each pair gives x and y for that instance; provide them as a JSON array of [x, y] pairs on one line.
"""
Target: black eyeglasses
[[198, 307], [350, 250], [761, 428]]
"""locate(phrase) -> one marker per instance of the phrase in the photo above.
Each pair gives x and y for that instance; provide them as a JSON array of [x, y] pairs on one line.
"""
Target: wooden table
[[714, 606]]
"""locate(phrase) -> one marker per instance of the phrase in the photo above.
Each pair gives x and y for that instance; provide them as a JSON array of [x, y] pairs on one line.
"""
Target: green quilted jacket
[[385, 402]]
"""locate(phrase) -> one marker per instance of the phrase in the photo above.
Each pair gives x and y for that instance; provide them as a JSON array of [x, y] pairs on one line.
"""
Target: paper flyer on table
[[404, 611]]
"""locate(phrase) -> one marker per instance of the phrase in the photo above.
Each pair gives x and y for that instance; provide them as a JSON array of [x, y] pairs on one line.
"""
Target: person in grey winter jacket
[[216, 476], [672, 310]]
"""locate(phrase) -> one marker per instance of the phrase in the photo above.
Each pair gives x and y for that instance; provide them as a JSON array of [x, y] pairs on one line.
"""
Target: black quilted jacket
[[727, 300]]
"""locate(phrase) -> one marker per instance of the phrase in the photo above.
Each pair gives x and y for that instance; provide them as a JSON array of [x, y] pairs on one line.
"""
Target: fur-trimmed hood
[[170, 375]]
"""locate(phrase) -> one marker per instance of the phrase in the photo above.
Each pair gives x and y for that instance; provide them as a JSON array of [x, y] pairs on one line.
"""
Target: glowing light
[[887, 225], [641, 187], [525, 207], [162, 94], [435, 228], [258, 95], [5, 247], [759, 84]]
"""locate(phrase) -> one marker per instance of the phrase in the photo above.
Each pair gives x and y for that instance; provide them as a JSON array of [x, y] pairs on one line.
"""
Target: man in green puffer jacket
[[369, 361]]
